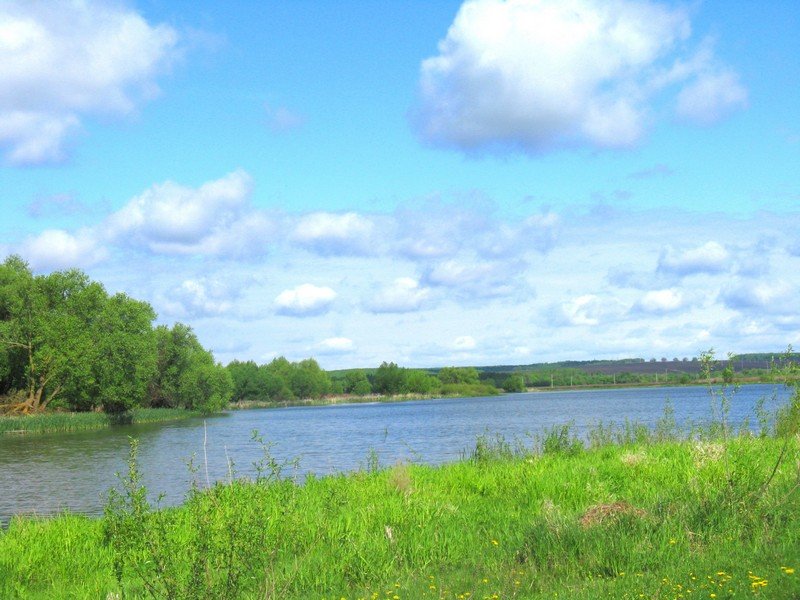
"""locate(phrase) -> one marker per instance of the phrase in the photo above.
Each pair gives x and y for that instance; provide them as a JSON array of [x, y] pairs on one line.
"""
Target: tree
[[186, 375], [249, 381], [419, 382], [389, 379], [356, 382], [47, 332], [124, 361], [514, 383], [467, 375], [308, 380]]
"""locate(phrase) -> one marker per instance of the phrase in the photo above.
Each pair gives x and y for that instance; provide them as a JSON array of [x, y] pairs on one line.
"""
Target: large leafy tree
[[186, 375], [389, 379], [46, 333], [125, 353]]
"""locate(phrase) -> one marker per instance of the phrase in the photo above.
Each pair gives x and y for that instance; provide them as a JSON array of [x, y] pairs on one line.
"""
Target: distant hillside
[[741, 362]]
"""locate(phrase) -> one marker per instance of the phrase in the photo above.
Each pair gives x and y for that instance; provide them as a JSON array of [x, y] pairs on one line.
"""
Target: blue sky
[[487, 182]]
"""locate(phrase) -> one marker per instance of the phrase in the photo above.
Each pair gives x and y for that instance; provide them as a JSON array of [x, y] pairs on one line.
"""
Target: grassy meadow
[[633, 515]]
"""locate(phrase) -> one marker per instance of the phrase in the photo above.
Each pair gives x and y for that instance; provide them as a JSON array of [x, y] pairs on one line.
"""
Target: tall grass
[[612, 522], [72, 421]]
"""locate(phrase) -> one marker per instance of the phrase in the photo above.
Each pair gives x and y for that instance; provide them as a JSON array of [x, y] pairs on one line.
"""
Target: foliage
[[389, 379], [514, 383], [219, 539], [468, 375], [279, 381], [356, 382], [65, 343], [75, 421], [419, 382]]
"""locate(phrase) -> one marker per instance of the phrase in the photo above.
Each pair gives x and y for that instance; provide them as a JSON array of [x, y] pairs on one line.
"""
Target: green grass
[[73, 421], [657, 519]]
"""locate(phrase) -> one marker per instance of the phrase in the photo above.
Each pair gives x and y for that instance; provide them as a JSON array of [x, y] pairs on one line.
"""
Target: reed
[[75, 421]]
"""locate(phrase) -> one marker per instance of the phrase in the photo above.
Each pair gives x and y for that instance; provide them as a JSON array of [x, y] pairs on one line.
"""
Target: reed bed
[[74, 421]]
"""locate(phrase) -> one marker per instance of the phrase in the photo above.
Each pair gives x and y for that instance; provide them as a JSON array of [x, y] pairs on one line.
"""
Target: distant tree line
[[284, 381], [66, 343]]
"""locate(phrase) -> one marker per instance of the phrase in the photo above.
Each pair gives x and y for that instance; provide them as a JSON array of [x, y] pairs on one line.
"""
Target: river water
[[47, 473]]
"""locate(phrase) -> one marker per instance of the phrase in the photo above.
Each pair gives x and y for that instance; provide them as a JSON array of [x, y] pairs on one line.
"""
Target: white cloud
[[334, 234], [711, 97], [335, 345], [403, 295], [534, 75], [464, 342], [201, 298], [63, 61], [305, 300], [57, 249], [586, 310], [763, 297], [660, 301], [711, 258], [473, 280], [214, 219]]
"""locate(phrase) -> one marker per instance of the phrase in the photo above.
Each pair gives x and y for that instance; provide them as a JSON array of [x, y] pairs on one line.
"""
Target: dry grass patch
[[604, 513]]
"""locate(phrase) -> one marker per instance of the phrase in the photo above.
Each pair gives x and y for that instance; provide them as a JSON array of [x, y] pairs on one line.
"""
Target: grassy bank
[[72, 421], [702, 518], [448, 391]]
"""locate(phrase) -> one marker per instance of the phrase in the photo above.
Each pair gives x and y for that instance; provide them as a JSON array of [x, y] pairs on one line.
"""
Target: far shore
[[50, 422]]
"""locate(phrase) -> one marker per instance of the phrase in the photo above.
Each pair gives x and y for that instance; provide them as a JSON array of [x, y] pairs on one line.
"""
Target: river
[[47, 473]]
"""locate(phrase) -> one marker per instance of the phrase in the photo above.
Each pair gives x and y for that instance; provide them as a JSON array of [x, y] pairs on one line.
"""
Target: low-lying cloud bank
[[404, 285]]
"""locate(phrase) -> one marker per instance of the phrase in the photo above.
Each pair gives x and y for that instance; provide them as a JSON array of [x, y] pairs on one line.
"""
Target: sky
[[429, 183]]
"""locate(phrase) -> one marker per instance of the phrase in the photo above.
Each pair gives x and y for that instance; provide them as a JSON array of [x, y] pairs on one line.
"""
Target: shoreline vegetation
[[61, 421], [52, 422], [631, 512]]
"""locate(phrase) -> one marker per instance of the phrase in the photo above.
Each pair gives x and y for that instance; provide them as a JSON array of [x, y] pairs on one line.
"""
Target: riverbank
[[703, 518], [51, 422], [475, 391], [487, 391], [714, 381]]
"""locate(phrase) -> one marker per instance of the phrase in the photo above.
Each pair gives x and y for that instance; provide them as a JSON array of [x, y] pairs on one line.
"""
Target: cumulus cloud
[[586, 310], [403, 295], [63, 61], [660, 301], [58, 249], [200, 298], [305, 300], [214, 219], [765, 297], [335, 345], [331, 234], [709, 258], [534, 75], [475, 280]]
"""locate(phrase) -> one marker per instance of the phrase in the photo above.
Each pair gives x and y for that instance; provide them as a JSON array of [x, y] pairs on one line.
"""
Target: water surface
[[46, 473]]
